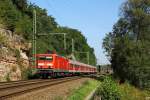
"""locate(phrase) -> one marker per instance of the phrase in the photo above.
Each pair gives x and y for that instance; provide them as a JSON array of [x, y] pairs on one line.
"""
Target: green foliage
[[80, 44], [24, 27], [28, 74], [82, 92], [17, 15], [20, 4], [8, 13], [108, 90], [8, 77], [2, 24], [131, 41], [107, 44], [3, 39], [123, 91], [129, 92], [17, 52]]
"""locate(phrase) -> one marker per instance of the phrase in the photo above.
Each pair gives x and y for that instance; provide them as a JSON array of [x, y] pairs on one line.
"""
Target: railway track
[[17, 82], [8, 90]]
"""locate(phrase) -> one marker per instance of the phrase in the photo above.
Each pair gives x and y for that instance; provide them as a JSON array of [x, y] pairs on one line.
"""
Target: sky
[[94, 18]]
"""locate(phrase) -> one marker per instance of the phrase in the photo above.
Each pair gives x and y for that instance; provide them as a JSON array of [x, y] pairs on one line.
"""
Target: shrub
[[29, 74], [3, 39], [108, 90], [82, 92], [130, 92], [26, 73], [8, 77], [2, 23]]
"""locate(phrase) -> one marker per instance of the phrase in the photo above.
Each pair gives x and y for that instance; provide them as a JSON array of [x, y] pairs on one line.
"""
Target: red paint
[[56, 62]]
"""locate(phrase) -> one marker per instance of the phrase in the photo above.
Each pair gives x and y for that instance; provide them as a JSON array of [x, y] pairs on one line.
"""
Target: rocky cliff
[[13, 56]]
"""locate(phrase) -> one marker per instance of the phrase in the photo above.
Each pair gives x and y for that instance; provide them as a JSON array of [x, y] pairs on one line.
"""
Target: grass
[[129, 92], [126, 91], [82, 92]]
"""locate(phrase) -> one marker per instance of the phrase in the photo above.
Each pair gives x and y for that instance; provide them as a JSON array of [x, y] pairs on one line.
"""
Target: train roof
[[79, 63], [50, 55], [44, 54]]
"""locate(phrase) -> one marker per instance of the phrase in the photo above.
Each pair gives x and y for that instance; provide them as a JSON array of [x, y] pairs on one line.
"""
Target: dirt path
[[58, 92]]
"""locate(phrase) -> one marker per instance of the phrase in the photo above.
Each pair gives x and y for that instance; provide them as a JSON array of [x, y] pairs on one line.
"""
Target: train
[[54, 65]]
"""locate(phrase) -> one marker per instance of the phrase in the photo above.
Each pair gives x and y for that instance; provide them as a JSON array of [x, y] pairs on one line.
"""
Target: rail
[[14, 89]]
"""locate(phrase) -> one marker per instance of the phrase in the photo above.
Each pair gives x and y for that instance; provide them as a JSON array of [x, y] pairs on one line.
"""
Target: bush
[[29, 74], [24, 27], [8, 77], [3, 39], [26, 73], [108, 90], [2, 23], [130, 92], [82, 92]]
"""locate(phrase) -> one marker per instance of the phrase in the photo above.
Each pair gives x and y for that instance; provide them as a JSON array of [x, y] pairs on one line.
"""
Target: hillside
[[16, 24]]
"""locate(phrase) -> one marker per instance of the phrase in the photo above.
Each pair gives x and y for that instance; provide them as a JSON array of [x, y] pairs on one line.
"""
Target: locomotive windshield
[[45, 58]]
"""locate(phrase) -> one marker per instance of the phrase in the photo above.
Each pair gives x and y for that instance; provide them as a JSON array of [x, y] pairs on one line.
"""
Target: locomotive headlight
[[49, 64], [40, 64]]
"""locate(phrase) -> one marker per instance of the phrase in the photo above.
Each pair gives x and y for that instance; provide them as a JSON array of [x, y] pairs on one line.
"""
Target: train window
[[49, 58], [45, 58], [71, 65]]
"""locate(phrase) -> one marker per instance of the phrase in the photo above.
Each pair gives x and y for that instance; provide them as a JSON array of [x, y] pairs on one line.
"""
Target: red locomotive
[[52, 65]]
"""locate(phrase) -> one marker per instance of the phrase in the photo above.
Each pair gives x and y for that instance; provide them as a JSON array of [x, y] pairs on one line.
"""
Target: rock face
[[13, 58], [9, 72]]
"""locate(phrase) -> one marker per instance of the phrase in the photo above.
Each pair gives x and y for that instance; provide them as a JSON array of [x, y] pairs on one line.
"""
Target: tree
[[108, 45], [24, 27], [9, 14], [131, 42], [20, 4], [18, 17]]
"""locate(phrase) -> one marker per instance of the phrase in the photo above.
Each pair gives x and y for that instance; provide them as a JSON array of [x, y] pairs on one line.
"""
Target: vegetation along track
[[14, 89]]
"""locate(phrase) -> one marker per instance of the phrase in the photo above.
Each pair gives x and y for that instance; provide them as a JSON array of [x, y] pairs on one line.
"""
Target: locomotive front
[[44, 61]]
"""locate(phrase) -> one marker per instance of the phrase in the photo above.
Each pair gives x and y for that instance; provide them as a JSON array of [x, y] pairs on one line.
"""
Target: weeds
[[108, 90], [84, 90]]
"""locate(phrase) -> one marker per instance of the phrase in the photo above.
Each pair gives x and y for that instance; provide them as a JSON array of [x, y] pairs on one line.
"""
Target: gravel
[[57, 92]]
